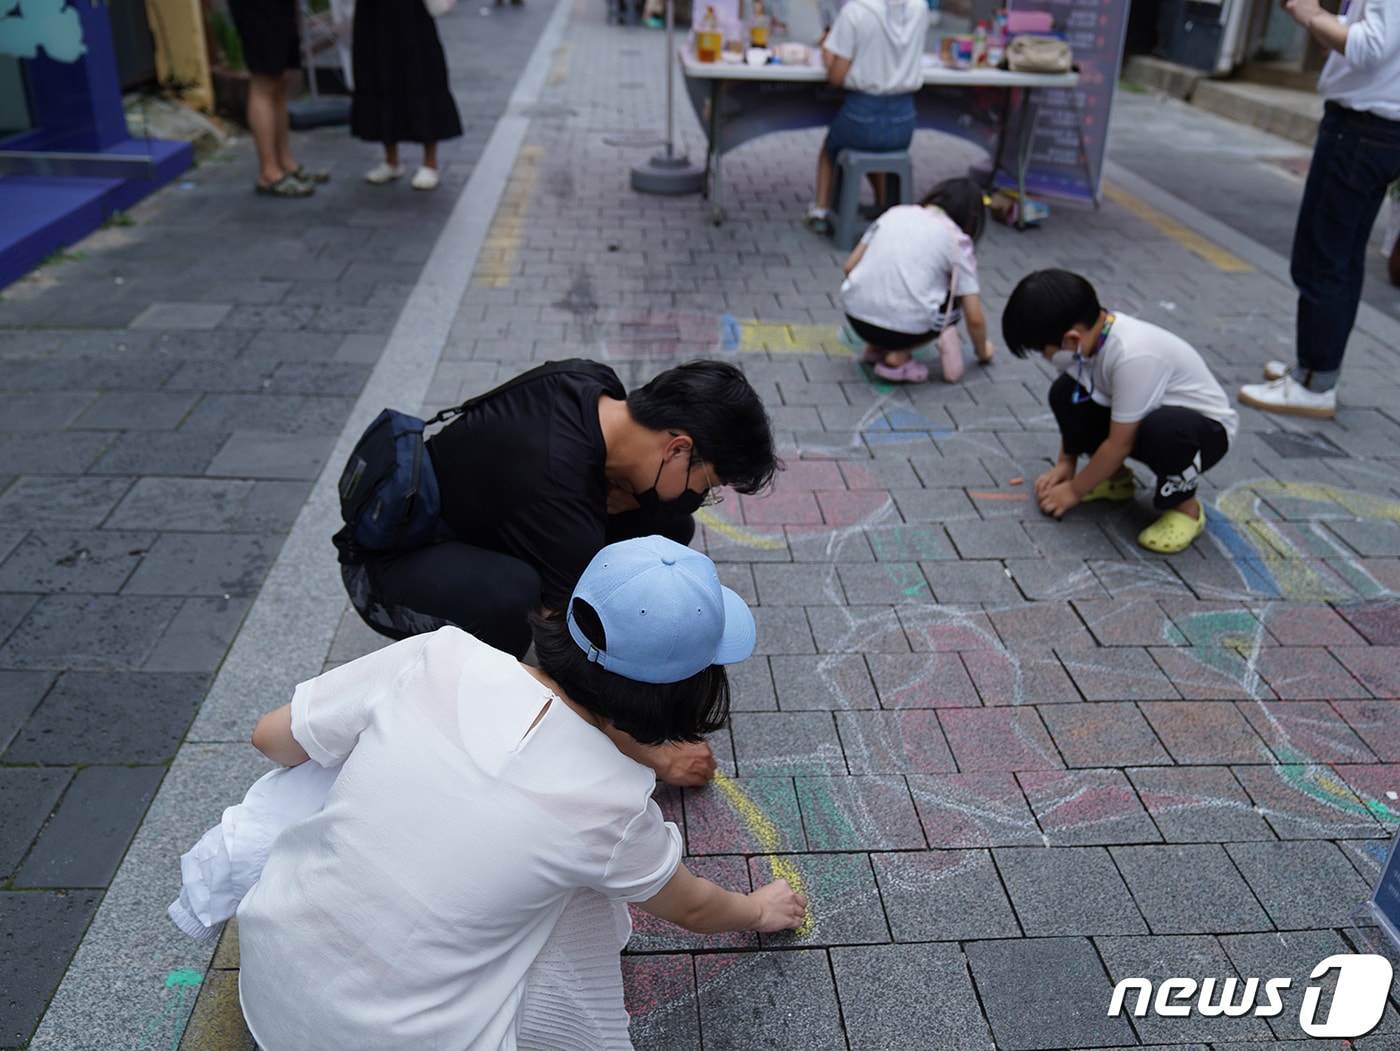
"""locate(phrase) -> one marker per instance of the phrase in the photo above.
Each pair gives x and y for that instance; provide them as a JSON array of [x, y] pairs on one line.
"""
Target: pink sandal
[[910, 372]]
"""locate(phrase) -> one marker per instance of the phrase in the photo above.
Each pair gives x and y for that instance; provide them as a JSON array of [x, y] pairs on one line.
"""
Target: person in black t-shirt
[[537, 478]]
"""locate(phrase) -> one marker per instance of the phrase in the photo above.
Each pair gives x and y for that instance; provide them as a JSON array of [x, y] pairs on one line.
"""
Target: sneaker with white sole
[[1288, 397], [1276, 370], [426, 178], [384, 172]]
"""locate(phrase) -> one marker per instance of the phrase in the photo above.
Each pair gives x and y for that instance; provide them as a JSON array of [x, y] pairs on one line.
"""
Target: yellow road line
[[496, 262], [560, 69], [1210, 252]]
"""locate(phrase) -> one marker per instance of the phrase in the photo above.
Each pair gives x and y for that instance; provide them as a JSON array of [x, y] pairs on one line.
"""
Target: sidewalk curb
[[128, 983]]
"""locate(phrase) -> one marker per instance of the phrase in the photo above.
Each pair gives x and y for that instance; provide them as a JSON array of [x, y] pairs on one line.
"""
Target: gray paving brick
[[1019, 674], [844, 906], [777, 743], [251, 455], [39, 929], [971, 582], [802, 981], [974, 810], [50, 453], [1305, 732], [795, 585], [846, 629], [893, 742], [1043, 992], [183, 504], [783, 630], [890, 992], [858, 813], [1189, 889], [888, 583], [1115, 673], [1199, 804], [199, 635], [1084, 807], [999, 539], [1058, 892], [88, 632], [136, 411], [1300, 884], [154, 453], [181, 315], [1293, 955], [998, 739], [1307, 802], [223, 564], [1109, 733], [71, 503], [40, 411], [928, 679], [92, 717], [751, 686], [837, 681], [1192, 956], [944, 895], [88, 833], [29, 795], [661, 1000], [91, 561]]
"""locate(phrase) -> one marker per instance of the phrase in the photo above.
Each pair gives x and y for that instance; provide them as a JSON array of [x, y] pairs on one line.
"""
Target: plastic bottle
[[758, 28], [979, 45], [709, 42]]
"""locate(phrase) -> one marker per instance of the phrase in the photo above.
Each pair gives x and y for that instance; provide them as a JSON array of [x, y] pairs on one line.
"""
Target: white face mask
[[1065, 359]]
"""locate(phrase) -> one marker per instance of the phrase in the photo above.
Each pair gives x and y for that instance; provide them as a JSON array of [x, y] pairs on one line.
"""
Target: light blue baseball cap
[[664, 612]]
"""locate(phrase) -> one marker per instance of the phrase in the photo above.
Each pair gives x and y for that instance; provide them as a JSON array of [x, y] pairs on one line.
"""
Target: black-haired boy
[[1127, 388]]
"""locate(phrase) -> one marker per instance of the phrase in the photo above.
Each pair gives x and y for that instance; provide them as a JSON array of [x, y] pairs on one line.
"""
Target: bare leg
[[877, 184], [826, 179], [267, 120], [430, 155], [391, 154], [284, 133]]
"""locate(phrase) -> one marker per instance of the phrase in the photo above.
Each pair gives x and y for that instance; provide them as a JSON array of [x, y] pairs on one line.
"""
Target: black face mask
[[651, 503]]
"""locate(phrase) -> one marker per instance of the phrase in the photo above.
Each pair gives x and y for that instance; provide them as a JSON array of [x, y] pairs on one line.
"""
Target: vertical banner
[[1095, 31]]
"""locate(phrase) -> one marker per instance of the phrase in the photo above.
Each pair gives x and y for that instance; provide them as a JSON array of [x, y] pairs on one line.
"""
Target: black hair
[[1043, 307], [652, 713], [713, 403], [964, 202]]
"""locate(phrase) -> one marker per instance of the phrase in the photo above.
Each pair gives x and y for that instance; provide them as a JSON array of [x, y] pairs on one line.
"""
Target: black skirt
[[401, 88]]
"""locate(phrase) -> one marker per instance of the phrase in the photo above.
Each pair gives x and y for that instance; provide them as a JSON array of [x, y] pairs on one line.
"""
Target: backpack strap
[[549, 368]]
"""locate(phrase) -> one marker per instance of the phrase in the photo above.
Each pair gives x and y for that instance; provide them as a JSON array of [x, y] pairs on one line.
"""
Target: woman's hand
[[986, 351], [780, 908]]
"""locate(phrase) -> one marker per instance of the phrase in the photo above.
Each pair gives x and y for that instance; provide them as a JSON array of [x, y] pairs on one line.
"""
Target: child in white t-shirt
[[911, 277], [1127, 388]]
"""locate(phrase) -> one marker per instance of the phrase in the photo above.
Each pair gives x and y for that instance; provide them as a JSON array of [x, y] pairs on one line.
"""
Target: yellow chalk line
[[501, 249], [769, 839], [1211, 253], [738, 534], [785, 338]]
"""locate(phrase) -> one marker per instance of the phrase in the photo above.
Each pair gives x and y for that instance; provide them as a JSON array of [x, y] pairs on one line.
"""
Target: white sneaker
[[384, 172], [1276, 370], [424, 178], [1287, 396]]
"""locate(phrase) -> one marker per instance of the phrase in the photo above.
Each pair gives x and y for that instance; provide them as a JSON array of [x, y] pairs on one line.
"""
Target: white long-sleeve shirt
[[1366, 76]]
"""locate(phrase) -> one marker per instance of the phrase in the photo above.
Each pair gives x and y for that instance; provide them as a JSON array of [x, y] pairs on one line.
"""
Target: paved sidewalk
[[1012, 761]]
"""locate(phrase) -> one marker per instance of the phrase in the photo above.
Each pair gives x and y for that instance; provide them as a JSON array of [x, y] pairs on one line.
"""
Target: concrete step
[[1284, 111]]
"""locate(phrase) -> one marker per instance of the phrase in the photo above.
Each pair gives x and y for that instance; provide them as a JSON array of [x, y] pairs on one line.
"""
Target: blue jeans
[[1356, 157], [876, 123]]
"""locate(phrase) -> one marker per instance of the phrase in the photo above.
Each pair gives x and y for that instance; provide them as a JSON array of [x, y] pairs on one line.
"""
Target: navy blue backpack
[[389, 495]]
